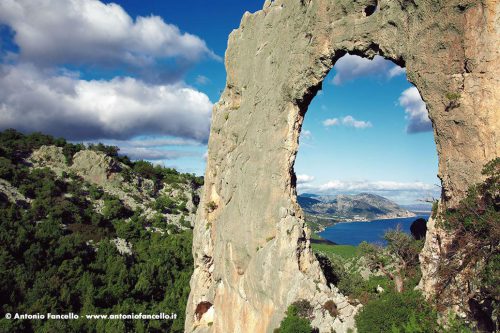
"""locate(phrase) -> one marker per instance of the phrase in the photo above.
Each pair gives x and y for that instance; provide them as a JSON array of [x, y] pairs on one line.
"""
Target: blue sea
[[353, 233]]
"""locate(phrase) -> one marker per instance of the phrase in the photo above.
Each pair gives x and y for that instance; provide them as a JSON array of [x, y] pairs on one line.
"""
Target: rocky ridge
[[136, 193]]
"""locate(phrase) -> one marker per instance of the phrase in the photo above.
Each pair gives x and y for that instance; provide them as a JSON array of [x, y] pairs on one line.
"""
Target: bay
[[353, 233]]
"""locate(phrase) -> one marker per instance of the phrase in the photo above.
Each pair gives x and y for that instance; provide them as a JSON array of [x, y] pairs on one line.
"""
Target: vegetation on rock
[[474, 251]]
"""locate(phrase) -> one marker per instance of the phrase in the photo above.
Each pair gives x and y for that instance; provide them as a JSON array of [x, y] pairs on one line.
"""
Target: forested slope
[[80, 237]]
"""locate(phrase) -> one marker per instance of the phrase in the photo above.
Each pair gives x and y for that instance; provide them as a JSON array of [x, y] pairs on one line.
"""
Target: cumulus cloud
[[396, 71], [351, 67], [339, 185], [303, 179], [416, 111], [331, 122], [351, 122], [89, 32], [62, 104], [347, 121]]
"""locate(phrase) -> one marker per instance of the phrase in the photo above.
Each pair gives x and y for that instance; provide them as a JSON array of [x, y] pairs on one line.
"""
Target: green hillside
[[86, 231]]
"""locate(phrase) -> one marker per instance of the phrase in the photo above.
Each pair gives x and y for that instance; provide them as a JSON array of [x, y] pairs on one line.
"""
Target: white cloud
[[339, 185], [396, 71], [347, 121], [331, 122], [202, 80], [154, 154], [305, 134], [351, 122], [89, 32], [121, 108], [350, 67], [416, 111], [303, 179], [401, 192]]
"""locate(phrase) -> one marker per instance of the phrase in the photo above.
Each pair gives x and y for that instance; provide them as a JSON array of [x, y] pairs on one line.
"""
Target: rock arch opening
[[366, 152]]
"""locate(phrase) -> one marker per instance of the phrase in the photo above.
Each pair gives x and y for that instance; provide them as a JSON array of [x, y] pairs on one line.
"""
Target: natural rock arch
[[251, 248]]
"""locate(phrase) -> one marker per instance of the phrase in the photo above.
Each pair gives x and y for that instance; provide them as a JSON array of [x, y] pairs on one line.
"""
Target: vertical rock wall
[[251, 247]]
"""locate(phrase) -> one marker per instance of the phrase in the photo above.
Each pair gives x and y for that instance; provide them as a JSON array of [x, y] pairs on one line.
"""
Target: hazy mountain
[[419, 207], [359, 207]]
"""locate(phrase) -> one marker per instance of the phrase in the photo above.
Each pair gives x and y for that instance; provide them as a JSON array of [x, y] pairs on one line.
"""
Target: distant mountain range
[[346, 208], [420, 207]]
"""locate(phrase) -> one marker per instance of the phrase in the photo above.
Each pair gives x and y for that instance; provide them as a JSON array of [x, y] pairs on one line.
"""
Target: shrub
[[6, 168], [331, 307], [111, 151], [293, 322], [165, 204], [397, 312], [302, 308], [435, 206], [183, 222], [452, 96], [95, 192], [211, 206], [114, 209]]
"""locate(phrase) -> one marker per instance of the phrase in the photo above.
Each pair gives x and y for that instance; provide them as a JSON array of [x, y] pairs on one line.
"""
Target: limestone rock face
[[251, 247], [51, 157], [96, 167]]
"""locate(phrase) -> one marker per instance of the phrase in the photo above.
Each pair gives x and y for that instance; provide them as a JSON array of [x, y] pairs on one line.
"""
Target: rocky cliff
[[251, 248]]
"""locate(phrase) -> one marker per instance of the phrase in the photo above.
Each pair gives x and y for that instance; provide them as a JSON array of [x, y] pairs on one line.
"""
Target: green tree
[[398, 261]]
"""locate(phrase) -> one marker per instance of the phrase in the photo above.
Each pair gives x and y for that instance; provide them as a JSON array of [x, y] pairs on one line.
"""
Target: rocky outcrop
[[251, 247], [123, 247], [11, 194], [51, 157], [97, 168]]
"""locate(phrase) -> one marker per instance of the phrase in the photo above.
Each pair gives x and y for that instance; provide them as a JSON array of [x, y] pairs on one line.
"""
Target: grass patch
[[344, 251]]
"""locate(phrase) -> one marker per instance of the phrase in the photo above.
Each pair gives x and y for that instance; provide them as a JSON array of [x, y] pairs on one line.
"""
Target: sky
[[143, 75]]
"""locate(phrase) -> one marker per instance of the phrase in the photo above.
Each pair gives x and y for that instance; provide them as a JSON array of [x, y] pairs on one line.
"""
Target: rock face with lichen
[[251, 247]]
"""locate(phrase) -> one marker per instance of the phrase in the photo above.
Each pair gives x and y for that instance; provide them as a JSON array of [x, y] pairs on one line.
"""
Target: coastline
[[415, 214], [349, 233], [384, 218]]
